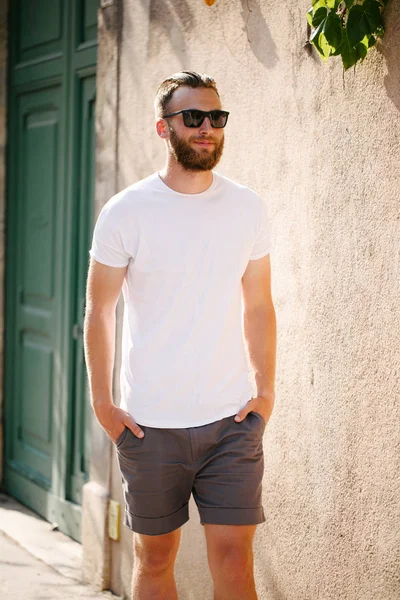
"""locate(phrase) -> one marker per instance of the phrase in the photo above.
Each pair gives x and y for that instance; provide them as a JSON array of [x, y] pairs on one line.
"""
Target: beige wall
[[96, 494], [325, 155]]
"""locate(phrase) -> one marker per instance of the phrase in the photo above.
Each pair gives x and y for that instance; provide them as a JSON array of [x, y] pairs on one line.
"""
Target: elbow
[[95, 313], [266, 309]]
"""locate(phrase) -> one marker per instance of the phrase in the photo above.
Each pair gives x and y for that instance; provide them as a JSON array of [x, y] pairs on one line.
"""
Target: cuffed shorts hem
[[231, 516], [157, 525]]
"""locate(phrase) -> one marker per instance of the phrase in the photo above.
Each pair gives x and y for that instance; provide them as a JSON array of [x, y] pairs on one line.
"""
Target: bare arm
[[260, 334], [104, 286]]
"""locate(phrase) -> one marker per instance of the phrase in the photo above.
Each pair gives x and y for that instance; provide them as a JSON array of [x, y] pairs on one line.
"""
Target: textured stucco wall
[[325, 155], [96, 494]]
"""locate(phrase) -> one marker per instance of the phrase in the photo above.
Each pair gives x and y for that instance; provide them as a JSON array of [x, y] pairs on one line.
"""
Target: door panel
[[35, 261], [40, 28], [87, 21], [33, 443], [39, 153]]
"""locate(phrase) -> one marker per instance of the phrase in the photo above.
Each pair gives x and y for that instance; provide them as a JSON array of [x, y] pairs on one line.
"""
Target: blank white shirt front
[[183, 355]]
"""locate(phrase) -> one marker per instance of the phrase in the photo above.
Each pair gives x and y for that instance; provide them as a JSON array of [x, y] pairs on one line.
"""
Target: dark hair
[[168, 87]]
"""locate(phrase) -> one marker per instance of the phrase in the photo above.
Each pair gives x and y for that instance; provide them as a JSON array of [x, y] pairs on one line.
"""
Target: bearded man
[[189, 248]]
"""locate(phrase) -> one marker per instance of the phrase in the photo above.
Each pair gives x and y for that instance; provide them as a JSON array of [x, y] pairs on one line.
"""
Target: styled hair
[[168, 86]]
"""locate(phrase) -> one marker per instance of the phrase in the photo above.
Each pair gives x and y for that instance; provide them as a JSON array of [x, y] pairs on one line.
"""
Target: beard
[[202, 159]]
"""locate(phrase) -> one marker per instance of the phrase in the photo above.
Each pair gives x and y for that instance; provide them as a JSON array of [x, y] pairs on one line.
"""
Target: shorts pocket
[[120, 439], [259, 416]]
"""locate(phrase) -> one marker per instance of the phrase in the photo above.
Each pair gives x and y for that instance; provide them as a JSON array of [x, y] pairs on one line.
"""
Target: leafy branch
[[347, 28]]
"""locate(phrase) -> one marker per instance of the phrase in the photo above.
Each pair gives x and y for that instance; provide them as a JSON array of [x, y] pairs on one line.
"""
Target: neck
[[183, 181]]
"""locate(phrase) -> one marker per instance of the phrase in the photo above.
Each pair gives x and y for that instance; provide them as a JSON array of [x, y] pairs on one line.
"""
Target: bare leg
[[230, 556], [153, 569]]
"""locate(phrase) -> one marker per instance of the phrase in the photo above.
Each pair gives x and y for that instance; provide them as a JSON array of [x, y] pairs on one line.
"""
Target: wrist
[[100, 394], [264, 384], [267, 393], [102, 405], [266, 401]]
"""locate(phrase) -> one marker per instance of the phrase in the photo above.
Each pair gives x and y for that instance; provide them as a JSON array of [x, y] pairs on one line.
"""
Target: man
[[190, 250]]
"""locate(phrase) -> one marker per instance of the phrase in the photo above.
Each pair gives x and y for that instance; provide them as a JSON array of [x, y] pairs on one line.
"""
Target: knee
[[157, 555], [233, 557]]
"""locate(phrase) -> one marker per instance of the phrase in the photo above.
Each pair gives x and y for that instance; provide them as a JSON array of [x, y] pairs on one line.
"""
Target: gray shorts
[[221, 463]]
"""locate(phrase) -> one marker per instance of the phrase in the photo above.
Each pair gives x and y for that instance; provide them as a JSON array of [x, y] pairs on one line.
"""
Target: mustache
[[203, 138]]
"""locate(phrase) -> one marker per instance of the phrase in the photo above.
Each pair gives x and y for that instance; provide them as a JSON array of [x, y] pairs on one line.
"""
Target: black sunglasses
[[193, 117]]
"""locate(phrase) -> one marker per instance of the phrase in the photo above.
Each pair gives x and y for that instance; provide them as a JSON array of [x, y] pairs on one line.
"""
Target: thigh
[[228, 486], [153, 550], [231, 560], [222, 539], [156, 479]]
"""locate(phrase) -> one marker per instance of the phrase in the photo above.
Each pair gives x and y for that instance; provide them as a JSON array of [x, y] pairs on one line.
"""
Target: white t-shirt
[[183, 355]]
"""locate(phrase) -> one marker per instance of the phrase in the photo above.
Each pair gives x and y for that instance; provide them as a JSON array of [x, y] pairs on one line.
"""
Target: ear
[[162, 128]]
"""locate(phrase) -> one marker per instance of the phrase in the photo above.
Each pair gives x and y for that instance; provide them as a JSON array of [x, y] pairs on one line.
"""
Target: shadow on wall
[[175, 19], [172, 19], [259, 37], [390, 49]]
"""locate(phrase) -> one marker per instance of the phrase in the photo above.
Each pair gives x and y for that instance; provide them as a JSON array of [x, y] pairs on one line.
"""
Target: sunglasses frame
[[205, 114]]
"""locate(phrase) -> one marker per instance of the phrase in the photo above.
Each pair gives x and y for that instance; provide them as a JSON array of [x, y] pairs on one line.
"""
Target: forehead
[[187, 97]]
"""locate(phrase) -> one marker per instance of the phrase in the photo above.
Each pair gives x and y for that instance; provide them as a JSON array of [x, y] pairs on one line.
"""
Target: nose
[[206, 125]]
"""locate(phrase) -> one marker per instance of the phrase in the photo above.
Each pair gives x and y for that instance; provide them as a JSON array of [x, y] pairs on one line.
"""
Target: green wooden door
[[80, 413], [50, 177]]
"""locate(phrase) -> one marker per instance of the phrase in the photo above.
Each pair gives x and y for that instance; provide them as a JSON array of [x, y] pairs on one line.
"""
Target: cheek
[[183, 134], [181, 130]]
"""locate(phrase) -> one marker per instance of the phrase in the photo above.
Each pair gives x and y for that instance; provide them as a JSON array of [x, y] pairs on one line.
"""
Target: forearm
[[260, 335], [99, 337], [99, 340]]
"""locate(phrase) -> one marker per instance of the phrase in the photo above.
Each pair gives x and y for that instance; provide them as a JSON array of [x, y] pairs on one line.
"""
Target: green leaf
[[320, 52], [349, 55], [337, 52], [363, 20], [319, 17], [328, 35], [361, 51], [318, 5], [315, 33], [357, 24], [331, 38], [373, 12], [324, 45], [332, 30], [314, 39], [365, 40]]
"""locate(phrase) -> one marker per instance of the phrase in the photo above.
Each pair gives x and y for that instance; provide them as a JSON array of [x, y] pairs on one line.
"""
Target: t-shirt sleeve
[[107, 244], [262, 244]]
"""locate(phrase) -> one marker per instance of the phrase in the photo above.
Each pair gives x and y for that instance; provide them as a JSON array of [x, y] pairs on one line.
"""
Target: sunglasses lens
[[193, 118], [218, 118]]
